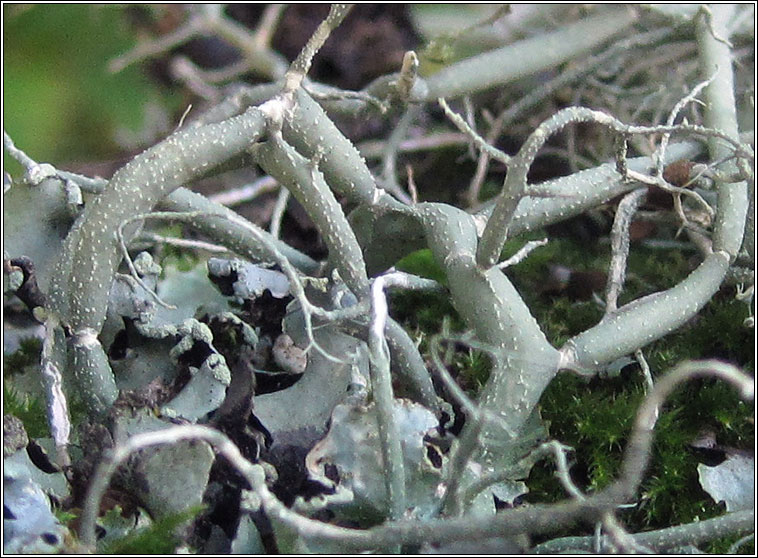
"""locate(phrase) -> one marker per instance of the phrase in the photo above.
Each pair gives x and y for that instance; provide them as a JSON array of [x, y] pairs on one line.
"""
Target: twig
[[411, 185], [736, 546], [278, 212], [455, 497], [26, 161], [637, 454], [264, 31], [480, 142], [663, 539], [300, 66], [57, 404], [403, 280], [708, 17], [130, 263], [562, 469], [533, 519], [544, 90], [373, 149], [645, 367], [515, 185], [113, 458], [660, 153], [620, 247], [183, 243], [155, 47], [389, 163], [245, 193], [194, 78], [716, 57], [333, 94], [407, 77], [522, 253], [622, 541], [209, 19], [381, 389], [37, 172]]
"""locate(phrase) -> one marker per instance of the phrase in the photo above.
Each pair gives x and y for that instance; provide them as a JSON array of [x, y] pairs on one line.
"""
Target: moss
[[670, 494], [724, 546], [30, 410], [596, 421], [422, 263], [474, 369], [423, 311], [65, 517], [173, 256], [28, 354], [595, 417], [159, 538], [716, 332]]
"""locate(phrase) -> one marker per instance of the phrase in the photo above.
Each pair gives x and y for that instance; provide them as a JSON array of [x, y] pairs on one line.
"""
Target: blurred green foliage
[[60, 101], [421, 262]]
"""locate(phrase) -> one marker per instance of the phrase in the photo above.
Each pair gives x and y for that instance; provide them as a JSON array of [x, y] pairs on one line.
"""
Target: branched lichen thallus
[[91, 253]]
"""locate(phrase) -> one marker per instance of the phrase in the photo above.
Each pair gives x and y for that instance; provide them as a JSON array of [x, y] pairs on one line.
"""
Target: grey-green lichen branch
[[515, 185], [91, 252], [299, 68], [716, 60], [532, 519], [381, 386], [661, 540], [525, 57], [285, 129]]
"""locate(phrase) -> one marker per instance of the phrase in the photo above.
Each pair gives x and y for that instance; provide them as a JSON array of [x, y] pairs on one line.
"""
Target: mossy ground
[[595, 417]]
